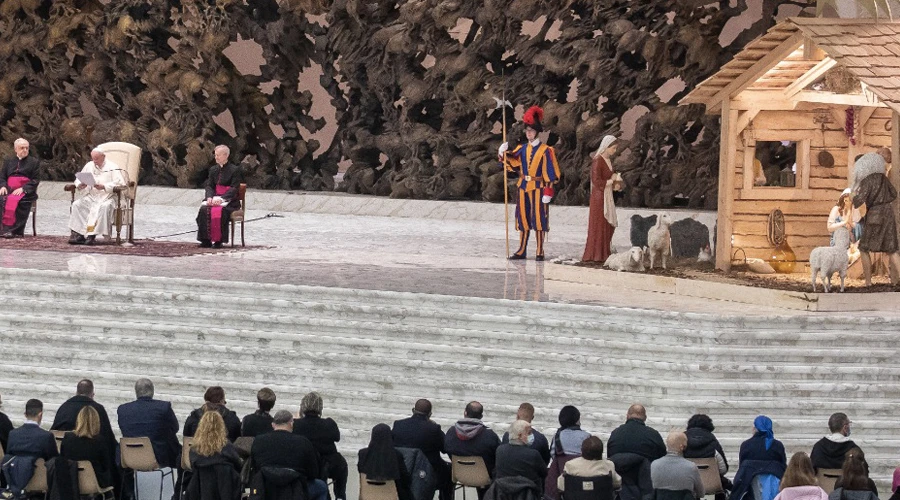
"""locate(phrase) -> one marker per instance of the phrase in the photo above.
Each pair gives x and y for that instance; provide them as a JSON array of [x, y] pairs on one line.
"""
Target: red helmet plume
[[533, 118]]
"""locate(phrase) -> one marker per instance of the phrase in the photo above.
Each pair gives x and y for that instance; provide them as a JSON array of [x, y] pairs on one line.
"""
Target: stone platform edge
[[740, 294]]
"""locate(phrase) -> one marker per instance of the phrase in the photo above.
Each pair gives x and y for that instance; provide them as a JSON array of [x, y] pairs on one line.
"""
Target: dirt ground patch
[[795, 282]]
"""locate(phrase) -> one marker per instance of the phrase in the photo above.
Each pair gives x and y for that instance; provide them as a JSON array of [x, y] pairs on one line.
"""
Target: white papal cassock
[[92, 213]]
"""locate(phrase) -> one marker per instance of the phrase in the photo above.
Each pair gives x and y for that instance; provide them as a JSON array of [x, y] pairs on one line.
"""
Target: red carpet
[[146, 248]]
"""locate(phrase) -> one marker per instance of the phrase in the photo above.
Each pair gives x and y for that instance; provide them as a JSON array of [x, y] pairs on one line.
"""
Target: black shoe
[[8, 236], [76, 239], [91, 240], [539, 258], [217, 244], [516, 256], [205, 244]]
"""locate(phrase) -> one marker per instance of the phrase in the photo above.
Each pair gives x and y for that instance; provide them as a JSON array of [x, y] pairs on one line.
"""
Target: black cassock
[[29, 167], [223, 181]]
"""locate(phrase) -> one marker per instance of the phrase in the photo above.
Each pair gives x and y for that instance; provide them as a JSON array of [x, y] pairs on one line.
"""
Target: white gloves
[[503, 148], [546, 199]]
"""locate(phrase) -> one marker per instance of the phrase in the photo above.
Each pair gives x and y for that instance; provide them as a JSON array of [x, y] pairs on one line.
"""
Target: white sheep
[[632, 260], [659, 240], [829, 260]]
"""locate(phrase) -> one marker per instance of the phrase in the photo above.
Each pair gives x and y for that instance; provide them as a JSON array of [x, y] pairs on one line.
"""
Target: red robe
[[600, 232]]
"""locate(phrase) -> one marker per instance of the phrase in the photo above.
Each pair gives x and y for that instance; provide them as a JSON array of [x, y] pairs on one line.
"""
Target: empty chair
[[59, 435], [376, 490], [709, 474], [469, 471], [137, 456], [827, 478], [588, 488], [87, 482]]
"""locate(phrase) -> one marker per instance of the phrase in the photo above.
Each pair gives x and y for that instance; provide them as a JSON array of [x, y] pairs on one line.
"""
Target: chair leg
[[34, 223], [232, 234], [242, 234]]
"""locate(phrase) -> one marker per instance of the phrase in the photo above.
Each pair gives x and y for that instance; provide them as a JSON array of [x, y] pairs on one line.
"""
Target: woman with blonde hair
[[215, 463], [799, 481], [84, 443], [211, 440]]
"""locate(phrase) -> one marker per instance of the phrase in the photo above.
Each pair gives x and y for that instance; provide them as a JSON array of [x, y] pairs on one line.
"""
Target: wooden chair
[[370, 489], [38, 482], [87, 482], [469, 471], [137, 456], [827, 478], [709, 474], [34, 218], [238, 215], [127, 156], [59, 435], [185, 462]]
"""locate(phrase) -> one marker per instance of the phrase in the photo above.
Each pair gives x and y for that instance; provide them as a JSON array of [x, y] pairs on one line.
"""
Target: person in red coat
[[602, 217]]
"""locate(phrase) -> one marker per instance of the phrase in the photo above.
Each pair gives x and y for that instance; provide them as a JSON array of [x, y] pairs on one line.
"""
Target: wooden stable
[[777, 101]]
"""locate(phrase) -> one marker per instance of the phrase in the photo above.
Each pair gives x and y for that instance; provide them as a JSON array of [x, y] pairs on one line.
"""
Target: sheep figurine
[[659, 240], [828, 260], [632, 260]]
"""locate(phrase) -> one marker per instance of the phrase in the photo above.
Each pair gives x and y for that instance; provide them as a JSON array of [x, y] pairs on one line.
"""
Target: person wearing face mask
[[829, 452], [516, 458], [538, 171], [566, 446], [536, 440]]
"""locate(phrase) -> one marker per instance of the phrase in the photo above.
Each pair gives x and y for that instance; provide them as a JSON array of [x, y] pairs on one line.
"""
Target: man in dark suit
[[418, 431], [30, 440], [283, 449], [154, 419], [470, 437]]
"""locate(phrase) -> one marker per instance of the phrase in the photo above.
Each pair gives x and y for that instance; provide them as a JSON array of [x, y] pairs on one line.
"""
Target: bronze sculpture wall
[[415, 105]]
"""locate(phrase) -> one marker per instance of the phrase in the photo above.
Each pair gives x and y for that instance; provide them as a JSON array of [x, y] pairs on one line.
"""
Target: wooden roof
[[797, 51]]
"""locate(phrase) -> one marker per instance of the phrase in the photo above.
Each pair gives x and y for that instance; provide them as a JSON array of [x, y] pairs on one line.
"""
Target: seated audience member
[[829, 452], [92, 214], [590, 464], [516, 458], [214, 398], [858, 453], [854, 480], [566, 446], [282, 448], [19, 179], [380, 461], [702, 443], [799, 481], [211, 451], [84, 444], [634, 436], [895, 485], [673, 472], [536, 440], [470, 437], [420, 432], [6, 426], [153, 419], [323, 433], [30, 440], [259, 422], [761, 460], [220, 201]]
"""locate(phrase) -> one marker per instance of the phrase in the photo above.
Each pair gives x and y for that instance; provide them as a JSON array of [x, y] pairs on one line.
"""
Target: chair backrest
[[376, 490], [827, 478], [127, 156], [137, 454], [242, 195], [588, 488], [470, 471], [38, 482], [87, 479], [186, 452], [59, 435], [709, 474]]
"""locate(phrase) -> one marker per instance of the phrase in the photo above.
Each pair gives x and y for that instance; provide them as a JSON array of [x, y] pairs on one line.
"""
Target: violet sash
[[215, 216], [12, 201]]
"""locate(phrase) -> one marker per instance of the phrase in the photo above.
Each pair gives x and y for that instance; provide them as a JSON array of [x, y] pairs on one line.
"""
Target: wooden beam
[[838, 99], [758, 69], [727, 152], [811, 76], [745, 118]]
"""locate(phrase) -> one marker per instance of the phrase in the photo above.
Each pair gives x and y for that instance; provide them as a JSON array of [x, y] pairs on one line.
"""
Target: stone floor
[[403, 253]]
